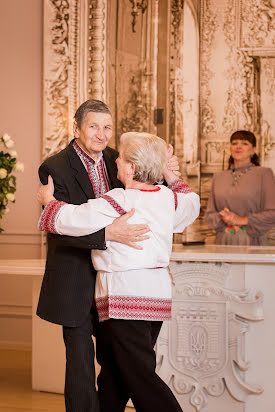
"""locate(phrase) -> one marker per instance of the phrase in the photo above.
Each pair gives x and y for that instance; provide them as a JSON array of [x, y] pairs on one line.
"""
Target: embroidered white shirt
[[131, 283]]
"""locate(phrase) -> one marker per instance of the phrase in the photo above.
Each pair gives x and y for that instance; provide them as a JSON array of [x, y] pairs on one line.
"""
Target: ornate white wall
[[139, 66], [237, 83]]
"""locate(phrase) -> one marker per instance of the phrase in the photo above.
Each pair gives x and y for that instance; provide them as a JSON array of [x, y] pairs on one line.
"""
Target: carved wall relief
[[190, 85], [134, 69], [136, 112], [56, 69], [91, 51], [97, 41], [215, 154], [176, 97], [209, 24], [267, 118], [74, 64], [237, 85], [241, 65], [200, 352], [258, 23]]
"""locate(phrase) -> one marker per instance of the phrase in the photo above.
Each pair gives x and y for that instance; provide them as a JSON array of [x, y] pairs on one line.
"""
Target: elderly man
[[85, 169]]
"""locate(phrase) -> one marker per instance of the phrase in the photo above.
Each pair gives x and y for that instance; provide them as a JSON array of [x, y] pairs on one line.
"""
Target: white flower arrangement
[[8, 164]]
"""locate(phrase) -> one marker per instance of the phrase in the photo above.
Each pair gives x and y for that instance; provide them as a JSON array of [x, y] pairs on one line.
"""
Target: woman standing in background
[[241, 205]]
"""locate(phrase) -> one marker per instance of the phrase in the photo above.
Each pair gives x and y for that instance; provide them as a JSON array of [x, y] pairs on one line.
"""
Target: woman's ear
[[133, 169], [75, 130]]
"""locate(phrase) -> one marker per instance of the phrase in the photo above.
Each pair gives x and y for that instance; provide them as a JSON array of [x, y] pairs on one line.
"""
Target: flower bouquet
[[8, 165]]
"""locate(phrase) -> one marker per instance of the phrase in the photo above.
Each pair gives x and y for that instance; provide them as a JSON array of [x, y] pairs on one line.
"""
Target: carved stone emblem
[[200, 351], [201, 336]]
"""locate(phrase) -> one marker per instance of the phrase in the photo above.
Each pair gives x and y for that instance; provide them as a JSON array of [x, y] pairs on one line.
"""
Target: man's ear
[[75, 130]]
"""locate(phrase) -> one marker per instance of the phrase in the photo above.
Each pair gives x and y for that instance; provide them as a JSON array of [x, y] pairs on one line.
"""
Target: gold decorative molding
[[97, 38], [136, 6]]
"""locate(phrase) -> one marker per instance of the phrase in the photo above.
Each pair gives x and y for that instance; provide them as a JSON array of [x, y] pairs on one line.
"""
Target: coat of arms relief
[[200, 352]]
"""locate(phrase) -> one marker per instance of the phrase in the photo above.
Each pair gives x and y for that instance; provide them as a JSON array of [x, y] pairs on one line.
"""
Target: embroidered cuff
[[48, 217], [179, 186]]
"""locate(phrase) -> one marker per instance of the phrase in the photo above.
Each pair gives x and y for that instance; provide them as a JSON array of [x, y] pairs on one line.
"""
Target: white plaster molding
[[200, 351], [258, 23], [209, 25], [25, 267], [56, 87], [8, 310], [74, 64], [20, 239], [97, 38], [12, 345], [137, 113], [83, 52], [259, 51], [219, 253], [76, 27], [175, 76]]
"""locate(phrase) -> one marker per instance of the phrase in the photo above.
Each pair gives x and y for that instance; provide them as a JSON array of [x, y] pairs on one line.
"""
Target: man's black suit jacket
[[67, 290]]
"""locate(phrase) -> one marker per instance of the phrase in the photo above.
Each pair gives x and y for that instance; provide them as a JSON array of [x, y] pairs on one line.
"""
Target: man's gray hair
[[92, 105]]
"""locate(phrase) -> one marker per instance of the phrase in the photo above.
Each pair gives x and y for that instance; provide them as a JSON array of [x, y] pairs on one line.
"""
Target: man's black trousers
[[80, 391]]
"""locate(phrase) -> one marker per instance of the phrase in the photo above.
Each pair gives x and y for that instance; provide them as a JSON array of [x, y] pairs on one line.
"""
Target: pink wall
[[20, 117]]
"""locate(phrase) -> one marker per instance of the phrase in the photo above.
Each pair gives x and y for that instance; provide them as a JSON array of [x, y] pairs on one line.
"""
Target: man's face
[[94, 133]]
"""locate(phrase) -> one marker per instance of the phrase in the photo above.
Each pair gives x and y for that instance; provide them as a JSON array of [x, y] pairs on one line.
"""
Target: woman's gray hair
[[147, 152]]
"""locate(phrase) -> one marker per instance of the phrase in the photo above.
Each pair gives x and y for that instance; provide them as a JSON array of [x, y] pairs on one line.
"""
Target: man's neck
[[92, 155]]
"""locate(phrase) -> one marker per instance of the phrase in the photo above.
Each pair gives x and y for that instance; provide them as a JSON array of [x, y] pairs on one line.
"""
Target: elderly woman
[[133, 287], [241, 206]]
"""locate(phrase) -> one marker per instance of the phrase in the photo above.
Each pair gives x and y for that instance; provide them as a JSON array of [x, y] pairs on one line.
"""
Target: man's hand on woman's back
[[122, 232]]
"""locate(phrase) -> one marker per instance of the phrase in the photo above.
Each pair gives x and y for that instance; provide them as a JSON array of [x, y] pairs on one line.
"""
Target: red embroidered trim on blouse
[[150, 190], [179, 186], [115, 205], [47, 219], [133, 307]]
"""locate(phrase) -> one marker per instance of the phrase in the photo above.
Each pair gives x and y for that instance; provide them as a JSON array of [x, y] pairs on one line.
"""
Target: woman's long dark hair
[[250, 137]]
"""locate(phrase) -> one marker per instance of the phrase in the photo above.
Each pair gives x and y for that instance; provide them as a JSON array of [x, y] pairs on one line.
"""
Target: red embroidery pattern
[[115, 205], [99, 182], [47, 220], [133, 307], [152, 190], [106, 186], [179, 186]]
